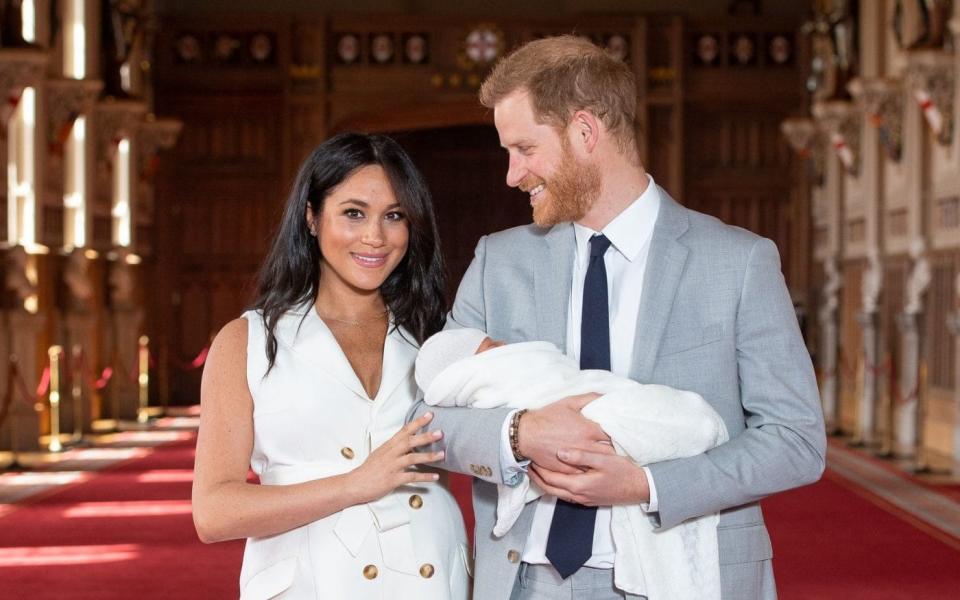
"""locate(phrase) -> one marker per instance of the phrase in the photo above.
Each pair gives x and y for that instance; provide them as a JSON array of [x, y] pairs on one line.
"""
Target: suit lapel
[[665, 263], [553, 277]]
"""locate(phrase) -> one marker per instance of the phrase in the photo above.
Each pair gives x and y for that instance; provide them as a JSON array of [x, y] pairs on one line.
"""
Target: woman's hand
[[388, 467]]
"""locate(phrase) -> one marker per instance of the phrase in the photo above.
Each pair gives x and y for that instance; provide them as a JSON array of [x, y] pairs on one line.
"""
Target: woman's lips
[[370, 261]]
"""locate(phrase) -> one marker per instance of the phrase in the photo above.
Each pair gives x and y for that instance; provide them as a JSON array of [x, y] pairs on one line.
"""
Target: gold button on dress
[[426, 571], [416, 501], [370, 572], [347, 452]]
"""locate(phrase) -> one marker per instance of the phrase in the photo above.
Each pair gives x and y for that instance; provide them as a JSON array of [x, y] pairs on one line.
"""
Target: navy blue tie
[[570, 541]]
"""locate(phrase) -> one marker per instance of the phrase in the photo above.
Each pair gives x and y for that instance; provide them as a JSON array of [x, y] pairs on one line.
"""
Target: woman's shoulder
[[232, 338]]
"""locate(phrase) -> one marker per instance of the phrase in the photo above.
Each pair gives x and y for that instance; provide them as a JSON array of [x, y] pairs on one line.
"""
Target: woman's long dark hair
[[414, 291]]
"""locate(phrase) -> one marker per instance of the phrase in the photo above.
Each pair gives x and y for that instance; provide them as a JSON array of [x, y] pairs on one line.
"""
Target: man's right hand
[[560, 425]]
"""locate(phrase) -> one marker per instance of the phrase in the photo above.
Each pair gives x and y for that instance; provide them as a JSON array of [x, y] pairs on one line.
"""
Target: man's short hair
[[565, 74]]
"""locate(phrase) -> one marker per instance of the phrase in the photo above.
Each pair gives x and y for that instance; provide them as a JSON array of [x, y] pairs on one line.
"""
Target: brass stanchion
[[143, 378], [76, 392], [54, 445], [921, 462], [163, 379]]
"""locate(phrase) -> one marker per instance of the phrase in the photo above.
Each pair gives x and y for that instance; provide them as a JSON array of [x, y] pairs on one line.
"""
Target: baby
[[647, 423]]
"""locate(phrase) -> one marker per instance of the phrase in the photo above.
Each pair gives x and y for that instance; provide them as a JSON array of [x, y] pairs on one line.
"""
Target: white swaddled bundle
[[647, 423]]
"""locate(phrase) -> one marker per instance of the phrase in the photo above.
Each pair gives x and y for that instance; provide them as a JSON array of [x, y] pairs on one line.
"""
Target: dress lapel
[[553, 277], [399, 353], [665, 263], [308, 337]]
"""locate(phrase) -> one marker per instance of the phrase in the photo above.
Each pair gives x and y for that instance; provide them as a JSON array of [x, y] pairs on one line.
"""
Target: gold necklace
[[356, 323]]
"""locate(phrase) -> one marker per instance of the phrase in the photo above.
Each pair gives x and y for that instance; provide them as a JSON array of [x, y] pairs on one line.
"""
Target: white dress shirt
[[625, 261]]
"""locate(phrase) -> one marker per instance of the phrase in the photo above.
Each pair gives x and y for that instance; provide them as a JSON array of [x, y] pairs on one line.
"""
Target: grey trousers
[[542, 582]]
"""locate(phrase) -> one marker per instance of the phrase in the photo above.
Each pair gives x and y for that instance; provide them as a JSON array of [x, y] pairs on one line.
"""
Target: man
[[623, 278]]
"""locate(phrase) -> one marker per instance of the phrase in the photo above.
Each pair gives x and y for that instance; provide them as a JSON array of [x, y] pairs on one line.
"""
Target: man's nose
[[515, 172]]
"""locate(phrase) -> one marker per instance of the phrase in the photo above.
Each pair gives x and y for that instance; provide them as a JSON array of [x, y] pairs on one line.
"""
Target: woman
[[310, 389]]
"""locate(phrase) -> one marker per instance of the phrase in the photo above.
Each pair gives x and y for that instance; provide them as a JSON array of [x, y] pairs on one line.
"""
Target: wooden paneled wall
[[248, 123]]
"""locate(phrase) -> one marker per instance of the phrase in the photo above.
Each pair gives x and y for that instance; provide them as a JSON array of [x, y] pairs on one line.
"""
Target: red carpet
[[127, 533], [831, 542]]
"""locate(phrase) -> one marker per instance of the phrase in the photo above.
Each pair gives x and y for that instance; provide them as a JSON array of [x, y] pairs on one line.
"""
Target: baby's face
[[488, 344]]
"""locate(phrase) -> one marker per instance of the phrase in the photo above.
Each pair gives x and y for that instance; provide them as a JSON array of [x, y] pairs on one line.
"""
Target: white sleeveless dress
[[313, 419]]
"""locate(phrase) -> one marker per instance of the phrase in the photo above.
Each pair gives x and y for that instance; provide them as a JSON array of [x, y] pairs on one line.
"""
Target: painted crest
[[415, 49], [381, 48], [708, 49], [780, 50], [617, 46], [348, 48], [261, 48], [188, 48], [484, 44]]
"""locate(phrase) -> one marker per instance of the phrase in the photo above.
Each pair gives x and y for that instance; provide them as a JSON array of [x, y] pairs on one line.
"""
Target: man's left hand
[[604, 480]]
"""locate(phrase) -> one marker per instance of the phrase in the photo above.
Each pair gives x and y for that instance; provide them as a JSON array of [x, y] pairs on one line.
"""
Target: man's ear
[[586, 130]]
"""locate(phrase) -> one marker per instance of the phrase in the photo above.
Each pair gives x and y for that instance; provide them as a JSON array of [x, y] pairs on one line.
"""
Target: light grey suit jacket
[[715, 318]]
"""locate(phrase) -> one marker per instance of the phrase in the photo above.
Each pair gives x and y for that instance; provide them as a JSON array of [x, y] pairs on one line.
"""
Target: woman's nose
[[373, 234]]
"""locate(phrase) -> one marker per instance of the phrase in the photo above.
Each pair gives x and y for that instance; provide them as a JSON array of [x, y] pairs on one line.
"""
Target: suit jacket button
[[370, 572], [347, 453], [416, 501], [513, 556], [426, 571]]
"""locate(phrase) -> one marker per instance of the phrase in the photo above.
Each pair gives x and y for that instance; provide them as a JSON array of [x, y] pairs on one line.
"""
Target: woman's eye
[[395, 216], [353, 213]]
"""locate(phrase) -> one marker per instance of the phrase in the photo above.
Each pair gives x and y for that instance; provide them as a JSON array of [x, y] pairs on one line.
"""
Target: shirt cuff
[[511, 471], [653, 505]]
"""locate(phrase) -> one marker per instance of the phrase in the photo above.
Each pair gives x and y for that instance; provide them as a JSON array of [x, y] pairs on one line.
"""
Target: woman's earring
[[313, 231]]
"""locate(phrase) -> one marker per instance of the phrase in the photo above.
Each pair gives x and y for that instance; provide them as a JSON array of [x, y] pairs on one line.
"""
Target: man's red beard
[[570, 193]]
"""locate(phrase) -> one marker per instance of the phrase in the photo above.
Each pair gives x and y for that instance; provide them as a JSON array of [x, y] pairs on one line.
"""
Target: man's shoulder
[[510, 240], [710, 233]]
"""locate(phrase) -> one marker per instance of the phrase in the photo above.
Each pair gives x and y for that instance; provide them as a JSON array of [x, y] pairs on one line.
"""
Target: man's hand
[[560, 425], [599, 479]]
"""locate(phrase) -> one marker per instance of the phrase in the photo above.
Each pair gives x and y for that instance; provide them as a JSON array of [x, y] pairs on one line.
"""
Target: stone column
[[80, 335], [870, 289], [26, 326], [828, 343], [953, 323], [126, 321], [905, 417]]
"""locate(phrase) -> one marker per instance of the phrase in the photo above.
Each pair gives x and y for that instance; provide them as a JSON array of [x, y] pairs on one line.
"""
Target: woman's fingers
[[423, 439], [419, 458], [418, 477], [417, 424]]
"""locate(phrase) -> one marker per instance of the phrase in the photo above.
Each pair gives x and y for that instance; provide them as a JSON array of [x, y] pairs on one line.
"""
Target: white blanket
[[648, 423]]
